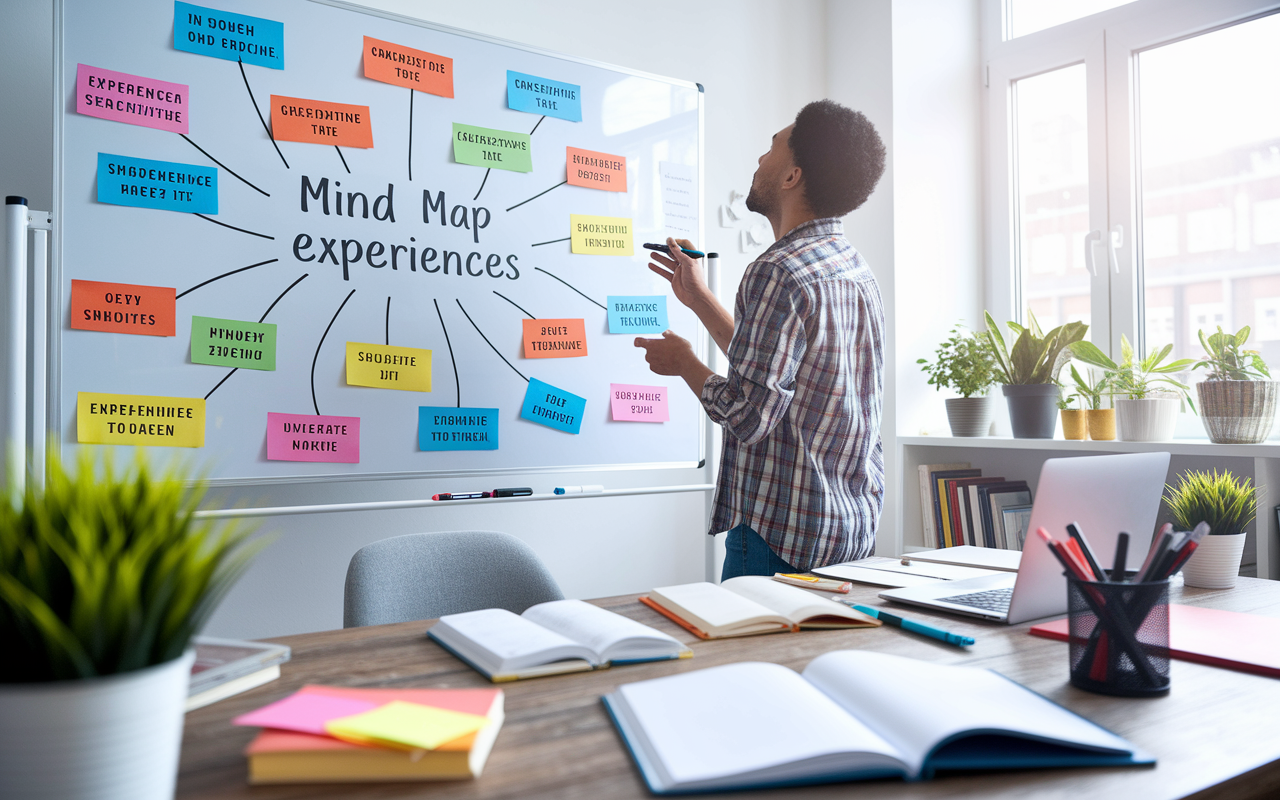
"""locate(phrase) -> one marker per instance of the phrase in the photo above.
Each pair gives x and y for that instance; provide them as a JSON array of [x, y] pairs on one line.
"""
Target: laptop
[[1102, 494]]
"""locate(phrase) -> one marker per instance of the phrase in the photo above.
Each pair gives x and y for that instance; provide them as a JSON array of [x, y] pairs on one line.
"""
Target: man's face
[[774, 164]]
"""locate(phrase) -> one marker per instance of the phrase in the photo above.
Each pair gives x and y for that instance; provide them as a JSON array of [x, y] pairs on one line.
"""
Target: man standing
[[801, 480]]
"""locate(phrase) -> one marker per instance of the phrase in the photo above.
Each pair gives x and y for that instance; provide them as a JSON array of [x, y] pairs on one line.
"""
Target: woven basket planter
[[1237, 412]]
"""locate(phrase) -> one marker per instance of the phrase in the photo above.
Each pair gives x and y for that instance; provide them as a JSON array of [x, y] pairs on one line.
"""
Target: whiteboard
[[245, 260]]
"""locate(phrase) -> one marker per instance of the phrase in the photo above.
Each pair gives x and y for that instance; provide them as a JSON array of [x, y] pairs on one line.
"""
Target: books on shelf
[[928, 499], [226, 667], [850, 715], [959, 506], [748, 605], [550, 639]]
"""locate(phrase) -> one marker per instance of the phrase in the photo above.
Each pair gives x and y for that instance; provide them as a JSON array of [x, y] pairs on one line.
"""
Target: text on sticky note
[[123, 308], [600, 236], [166, 185], [139, 420], [233, 343], [639, 314], [543, 96], [487, 147], [308, 437], [223, 34], [554, 338], [555, 408], [630, 403], [449, 428], [594, 170], [122, 97], [388, 367], [294, 119], [404, 66]]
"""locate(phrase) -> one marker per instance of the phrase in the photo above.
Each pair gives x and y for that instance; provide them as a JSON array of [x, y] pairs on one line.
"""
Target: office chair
[[428, 575]]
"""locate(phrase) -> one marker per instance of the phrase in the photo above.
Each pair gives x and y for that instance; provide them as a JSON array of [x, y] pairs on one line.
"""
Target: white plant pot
[[111, 738], [1152, 419], [1216, 562]]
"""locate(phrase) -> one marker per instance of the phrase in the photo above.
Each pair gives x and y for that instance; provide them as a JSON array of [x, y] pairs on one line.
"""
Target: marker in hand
[[662, 248]]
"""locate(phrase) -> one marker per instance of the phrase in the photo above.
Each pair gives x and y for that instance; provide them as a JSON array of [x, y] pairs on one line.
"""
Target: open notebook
[[851, 715], [549, 639], [748, 605]]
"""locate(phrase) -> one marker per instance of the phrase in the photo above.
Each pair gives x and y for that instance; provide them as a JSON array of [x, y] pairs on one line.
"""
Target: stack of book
[[224, 667], [959, 505]]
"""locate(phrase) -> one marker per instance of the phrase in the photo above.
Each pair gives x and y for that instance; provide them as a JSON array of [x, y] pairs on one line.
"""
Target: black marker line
[[449, 344], [344, 160], [553, 241], [540, 194], [388, 331], [224, 380], [513, 302], [486, 339], [224, 166], [535, 127], [223, 275], [316, 357], [482, 183], [544, 272], [234, 228], [264, 316], [270, 135], [410, 133]]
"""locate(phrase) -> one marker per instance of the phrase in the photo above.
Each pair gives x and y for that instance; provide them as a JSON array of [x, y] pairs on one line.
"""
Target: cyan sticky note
[[638, 314], [141, 182], [222, 34], [555, 408], [543, 96], [450, 428]]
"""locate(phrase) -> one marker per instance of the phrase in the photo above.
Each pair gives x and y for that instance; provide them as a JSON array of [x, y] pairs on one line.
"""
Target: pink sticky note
[[638, 403], [304, 437], [304, 712], [129, 98]]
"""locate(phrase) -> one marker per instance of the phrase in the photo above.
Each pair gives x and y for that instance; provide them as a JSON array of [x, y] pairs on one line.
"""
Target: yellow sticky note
[[601, 236], [405, 725], [388, 367], [139, 420]]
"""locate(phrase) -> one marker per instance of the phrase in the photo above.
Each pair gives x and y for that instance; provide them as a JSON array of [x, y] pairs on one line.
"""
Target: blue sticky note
[[555, 408], [222, 34], [141, 182], [449, 428], [542, 96], [639, 314]]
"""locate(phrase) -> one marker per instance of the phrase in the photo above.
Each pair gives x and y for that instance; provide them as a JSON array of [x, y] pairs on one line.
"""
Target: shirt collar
[[827, 226]]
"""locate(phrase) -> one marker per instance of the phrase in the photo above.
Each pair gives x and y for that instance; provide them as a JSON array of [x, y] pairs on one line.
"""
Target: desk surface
[[1217, 734]]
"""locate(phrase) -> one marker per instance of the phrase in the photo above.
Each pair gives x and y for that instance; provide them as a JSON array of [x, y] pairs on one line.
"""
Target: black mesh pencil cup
[[1119, 635]]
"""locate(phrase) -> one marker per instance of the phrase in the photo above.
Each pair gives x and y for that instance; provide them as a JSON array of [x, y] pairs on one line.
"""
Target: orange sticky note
[[404, 66], [294, 119], [123, 308], [554, 338], [596, 170]]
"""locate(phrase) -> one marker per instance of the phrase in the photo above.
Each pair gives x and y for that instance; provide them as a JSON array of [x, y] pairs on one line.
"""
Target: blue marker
[[662, 248], [915, 627]]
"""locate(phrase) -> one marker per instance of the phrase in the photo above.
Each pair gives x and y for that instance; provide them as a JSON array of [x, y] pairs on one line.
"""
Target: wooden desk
[[1217, 734]]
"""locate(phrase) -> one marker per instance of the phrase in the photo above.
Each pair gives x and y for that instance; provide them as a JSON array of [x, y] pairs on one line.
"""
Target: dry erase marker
[[460, 496], [579, 489], [662, 248], [521, 492]]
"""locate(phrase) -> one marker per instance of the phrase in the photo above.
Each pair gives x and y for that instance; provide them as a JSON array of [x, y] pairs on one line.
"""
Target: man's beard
[[760, 201]]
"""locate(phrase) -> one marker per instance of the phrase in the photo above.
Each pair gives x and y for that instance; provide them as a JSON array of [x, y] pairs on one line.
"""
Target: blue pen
[[662, 248], [916, 627]]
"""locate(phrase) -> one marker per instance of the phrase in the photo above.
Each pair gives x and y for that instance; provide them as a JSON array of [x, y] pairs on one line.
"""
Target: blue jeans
[[745, 553]]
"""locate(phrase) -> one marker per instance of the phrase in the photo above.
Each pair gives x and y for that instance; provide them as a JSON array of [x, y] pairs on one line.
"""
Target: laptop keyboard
[[991, 600]]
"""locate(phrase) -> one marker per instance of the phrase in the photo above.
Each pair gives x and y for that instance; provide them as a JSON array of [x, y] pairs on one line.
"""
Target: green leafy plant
[[1035, 357], [1224, 501], [109, 571], [1091, 390], [1226, 361], [1134, 378], [964, 364]]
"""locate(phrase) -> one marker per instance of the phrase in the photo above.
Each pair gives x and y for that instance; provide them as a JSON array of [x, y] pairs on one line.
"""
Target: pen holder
[[1119, 635]]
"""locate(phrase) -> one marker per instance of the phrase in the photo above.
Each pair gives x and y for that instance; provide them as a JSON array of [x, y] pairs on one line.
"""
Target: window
[[1029, 16]]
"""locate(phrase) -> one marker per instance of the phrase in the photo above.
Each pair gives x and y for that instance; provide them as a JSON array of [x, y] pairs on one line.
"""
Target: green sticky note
[[486, 147], [233, 343], [405, 725]]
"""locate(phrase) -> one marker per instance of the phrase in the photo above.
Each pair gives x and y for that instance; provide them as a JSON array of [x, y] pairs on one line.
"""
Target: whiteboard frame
[[56, 298]]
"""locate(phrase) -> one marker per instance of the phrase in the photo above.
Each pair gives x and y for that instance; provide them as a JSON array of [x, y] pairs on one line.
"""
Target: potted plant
[[1237, 396], [1073, 419], [964, 364], [105, 576], [1029, 370], [1101, 422], [1228, 504], [1147, 410]]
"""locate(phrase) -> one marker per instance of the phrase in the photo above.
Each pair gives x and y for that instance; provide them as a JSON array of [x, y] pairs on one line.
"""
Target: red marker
[[462, 496]]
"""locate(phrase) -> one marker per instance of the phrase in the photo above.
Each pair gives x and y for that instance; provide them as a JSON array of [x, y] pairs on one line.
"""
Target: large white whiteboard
[[650, 120]]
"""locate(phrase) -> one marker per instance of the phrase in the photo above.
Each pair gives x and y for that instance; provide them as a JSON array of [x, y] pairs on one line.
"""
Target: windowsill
[[1269, 449]]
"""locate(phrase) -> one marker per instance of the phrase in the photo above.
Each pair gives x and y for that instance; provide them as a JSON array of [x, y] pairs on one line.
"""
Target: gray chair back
[[428, 575]]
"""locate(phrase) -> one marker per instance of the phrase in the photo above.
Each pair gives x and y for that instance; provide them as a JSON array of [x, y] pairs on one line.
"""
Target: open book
[[852, 714], [748, 605], [550, 638]]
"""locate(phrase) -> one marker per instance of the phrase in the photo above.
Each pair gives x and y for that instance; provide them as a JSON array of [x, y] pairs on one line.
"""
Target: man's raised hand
[[685, 274]]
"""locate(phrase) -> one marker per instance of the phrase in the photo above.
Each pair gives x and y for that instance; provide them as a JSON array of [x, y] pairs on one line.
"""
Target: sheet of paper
[[593, 170], [164, 185], [233, 37], [638, 314], [555, 408], [388, 367], [308, 437], [122, 97], [405, 66], [406, 725], [296, 119], [123, 308], [488, 147], [679, 200], [304, 712], [233, 343], [139, 420], [631, 403], [554, 338], [601, 236], [450, 428], [544, 96]]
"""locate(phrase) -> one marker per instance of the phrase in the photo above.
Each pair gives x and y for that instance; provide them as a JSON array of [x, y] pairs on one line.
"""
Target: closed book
[[928, 528], [962, 517], [749, 605], [224, 667], [985, 494]]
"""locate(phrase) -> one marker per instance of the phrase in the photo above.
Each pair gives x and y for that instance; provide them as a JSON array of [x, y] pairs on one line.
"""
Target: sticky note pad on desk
[[304, 712], [406, 725]]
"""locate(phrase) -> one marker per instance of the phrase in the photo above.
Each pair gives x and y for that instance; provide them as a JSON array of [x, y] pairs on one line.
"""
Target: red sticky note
[[123, 308], [404, 66], [596, 170], [631, 403], [133, 99], [307, 437], [294, 119], [554, 338], [304, 712]]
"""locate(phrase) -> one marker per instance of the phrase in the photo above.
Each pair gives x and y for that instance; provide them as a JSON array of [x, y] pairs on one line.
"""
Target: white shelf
[[1178, 447]]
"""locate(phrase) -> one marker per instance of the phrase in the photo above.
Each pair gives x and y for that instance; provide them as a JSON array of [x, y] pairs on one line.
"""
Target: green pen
[[915, 627]]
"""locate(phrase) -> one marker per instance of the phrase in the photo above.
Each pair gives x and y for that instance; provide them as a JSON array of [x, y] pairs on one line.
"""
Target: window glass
[[1029, 16]]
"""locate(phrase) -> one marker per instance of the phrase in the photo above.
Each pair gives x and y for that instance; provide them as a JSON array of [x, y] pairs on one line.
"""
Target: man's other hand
[[673, 355]]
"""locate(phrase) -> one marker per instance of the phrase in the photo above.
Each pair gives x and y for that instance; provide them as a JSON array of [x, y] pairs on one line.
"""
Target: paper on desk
[[405, 725], [945, 572], [304, 712]]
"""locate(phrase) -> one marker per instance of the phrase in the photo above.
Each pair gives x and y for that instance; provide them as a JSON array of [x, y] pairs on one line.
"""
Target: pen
[[662, 248], [916, 627], [813, 582], [1122, 551], [523, 491], [579, 489], [460, 496], [1073, 530]]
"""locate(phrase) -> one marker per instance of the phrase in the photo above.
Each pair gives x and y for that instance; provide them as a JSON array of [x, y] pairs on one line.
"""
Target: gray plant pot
[[1238, 412], [969, 416], [1033, 409]]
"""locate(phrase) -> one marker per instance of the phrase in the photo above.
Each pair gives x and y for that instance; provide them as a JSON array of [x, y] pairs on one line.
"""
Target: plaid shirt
[[801, 407]]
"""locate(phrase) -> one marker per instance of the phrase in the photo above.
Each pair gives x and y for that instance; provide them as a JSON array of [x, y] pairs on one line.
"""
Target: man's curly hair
[[840, 155]]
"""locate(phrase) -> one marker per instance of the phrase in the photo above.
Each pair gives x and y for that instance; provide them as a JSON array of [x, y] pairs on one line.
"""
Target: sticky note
[[555, 408], [593, 170], [638, 314], [486, 147], [631, 403], [406, 725], [123, 308], [139, 420], [404, 66], [294, 119], [388, 367], [222, 34], [304, 712], [233, 343], [166, 185], [554, 338], [307, 437], [543, 96], [449, 428], [600, 236], [122, 97]]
